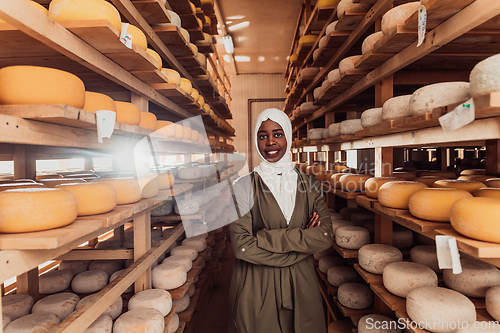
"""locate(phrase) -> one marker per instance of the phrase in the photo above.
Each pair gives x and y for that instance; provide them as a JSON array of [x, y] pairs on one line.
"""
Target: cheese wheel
[[476, 278], [187, 133], [109, 266], [156, 56], [425, 99], [186, 86], [89, 281], [371, 117], [201, 101], [355, 296], [374, 257], [349, 5], [55, 208], [328, 262], [491, 192], [425, 255], [307, 39], [150, 186], [185, 250], [138, 37], [427, 180], [308, 107], [468, 172], [185, 35], [54, 281], [13, 186], [172, 76], [103, 324], [352, 237], [316, 94], [165, 181], [401, 237], [168, 276], [434, 204], [195, 94], [477, 218], [116, 274], [340, 223], [400, 278], [396, 108], [62, 304], [315, 134], [5, 319], [192, 289], [148, 120], [97, 101], [113, 311], [127, 189], [373, 184], [92, 198], [207, 38], [398, 16], [208, 170], [193, 48], [74, 266], [477, 178], [353, 182], [484, 77], [370, 41], [40, 85], [40, 322], [493, 302], [17, 305], [127, 113], [335, 180], [189, 173], [143, 320], [64, 10], [179, 259], [181, 304], [157, 299], [186, 207], [333, 76], [173, 324], [324, 175], [334, 130], [338, 275], [397, 194], [199, 244], [466, 185], [350, 127], [376, 323], [348, 64]]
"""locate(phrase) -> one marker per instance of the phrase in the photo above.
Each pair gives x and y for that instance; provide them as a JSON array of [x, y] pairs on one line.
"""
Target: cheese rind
[[127, 189], [425, 99], [54, 281], [180, 259], [64, 10], [370, 41], [17, 305], [96, 101], [89, 281], [350, 127], [434, 204], [374, 257], [338, 275], [400, 278], [397, 194], [352, 237], [373, 184], [485, 76], [371, 117], [148, 120], [476, 278], [355, 296], [62, 304], [92, 198], [127, 113], [425, 255], [396, 108], [466, 185], [349, 5], [181, 304], [33, 323], [144, 320], [103, 324], [328, 262], [114, 310], [173, 324], [172, 76], [493, 302], [375, 323], [348, 64], [354, 182], [168, 276], [157, 299], [398, 16]]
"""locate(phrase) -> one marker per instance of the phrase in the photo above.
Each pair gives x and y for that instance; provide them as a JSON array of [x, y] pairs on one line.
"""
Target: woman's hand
[[314, 221]]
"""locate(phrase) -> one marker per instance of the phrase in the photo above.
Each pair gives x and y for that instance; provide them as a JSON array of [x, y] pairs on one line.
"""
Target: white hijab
[[280, 176]]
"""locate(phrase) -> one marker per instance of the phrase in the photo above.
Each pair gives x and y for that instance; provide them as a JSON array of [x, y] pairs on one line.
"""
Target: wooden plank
[[487, 105], [173, 92], [352, 313], [170, 35], [351, 77], [179, 293], [407, 220], [476, 248], [371, 60], [395, 303], [27, 283], [79, 254], [365, 201], [345, 253], [142, 244], [134, 59], [396, 40], [187, 314], [335, 40], [303, 50], [205, 47], [350, 20], [153, 11], [100, 34], [418, 122], [367, 276], [182, 327], [438, 11], [346, 195], [149, 77], [21, 44], [169, 316]]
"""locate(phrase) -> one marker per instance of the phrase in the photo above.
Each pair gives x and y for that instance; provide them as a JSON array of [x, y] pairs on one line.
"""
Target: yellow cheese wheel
[[13, 186], [48, 176], [172, 76], [195, 135], [476, 178], [467, 185], [166, 128], [207, 38], [489, 192], [434, 204], [127, 113], [443, 174], [185, 34], [41, 8], [97, 101], [373, 184], [208, 20], [127, 189], [353, 182], [148, 120], [327, 3], [193, 48], [477, 218], [195, 94], [40, 85], [138, 37], [468, 172], [92, 198], [193, 7], [187, 133], [165, 181], [200, 23], [77, 10], [157, 57], [427, 180], [294, 57], [313, 170], [397, 194], [179, 131], [201, 101], [36, 209], [404, 175], [493, 182], [186, 86], [150, 186], [307, 39], [51, 183], [324, 175]]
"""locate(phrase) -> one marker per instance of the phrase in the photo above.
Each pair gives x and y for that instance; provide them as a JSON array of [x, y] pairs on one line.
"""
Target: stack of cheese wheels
[[144, 320], [127, 189], [96, 101], [17, 305], [466, 185], [148, 120], [376, 323], [181, 304], [328, 262], [374, 257], [172, 76], [434, 204], [370, 41], [92, 198], [398, 15], [425, 99], [89, 281], [355, 296], [371, 117], [35, 322], [340, 326], [396, 108], [114, 310], [353, 182], [180, 259], [425, 255], [492, 302], [372, 185], [350, 127], [157, 299], [400, 278], [338, 275], [127, 113], [54, 281], [476, 278], [397, 194], [488, 192], [63, 10], [168, 276], [352, 237], [425, 304], [62, 304], [55, 208], [484, 77], [40, 85]]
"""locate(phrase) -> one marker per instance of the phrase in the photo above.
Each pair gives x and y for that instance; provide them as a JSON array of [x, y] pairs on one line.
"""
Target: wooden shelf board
[[205, 47], [118, 214], [208, 9], [332, 91], [170, 36], [438, 11], [170, 315], [20, 43], [350, 20], [190, 62], [346, 195], [487, 105], [391, 212], [189, 21], [182, 326], [365, 201], [187, 314], [179, 293], [371, 60], [395, 41], [335, 40], [352, 313], [141, 205], [149, 77], [367, 276], [395, 303], [303, 81], [303, 50], [152, 11], [478, 249], [196, 34], [407, 220], [181, 7], [345, 253], [174, 93]]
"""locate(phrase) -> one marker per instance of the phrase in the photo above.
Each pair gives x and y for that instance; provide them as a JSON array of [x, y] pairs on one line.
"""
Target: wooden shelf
[[367, 276], [153, 11], [350, 20], [366, 202], [346, 195], [335, 40], [352, 313], [473, 247], [179, 293], [345, 253], [395, 303], [187, 314], [182, 326], [170, 315]]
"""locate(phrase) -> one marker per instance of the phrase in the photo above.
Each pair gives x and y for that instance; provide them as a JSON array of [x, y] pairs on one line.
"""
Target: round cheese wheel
[[181, 304], [193, 48], [351, 6], [191, 290], [425, 304], [370, 41], [189, 173], [328, 252], [373, 184], [109, 266], [157, 299], [484, 77], [346, 212], [62, 304], [374, 257], [401, 237], [315, 134], [173, 324], [348, 64], [331, 28], [425, 99], [398, 16], [144, 320], [427, 180], [89, 281], [156, 56], [308, 107], [376, 323], [476, 278], [97, 101], [113, 311], [127, 113], [92, 198], [116, 274], [355, 296], [165, 181], [103, 324], [199, 244], [54, 281], [323, 42], [324, 175], [491, 192], [186, 86], [397, 194], [185, 250], [138, 37], [352, 237], [127, 189], [468, 172], [168, 276], [40, 322], [350, 127], [434, 204], [333, 76], [172, 76], [17, 305], [195, 94], [150, 186], [64, 10], [465, 185], [371, 117], [477, 178], [5, 319], [328, 262], [425, 255], [396, 108], [55, 208], [185, 35], [148, 120], [338, 275], [400, 278], [74, 266], [316, 93], [353, 182], [186, 207], [180, 259], [307, 39], [493, 302], [310, 71], [40, 85]]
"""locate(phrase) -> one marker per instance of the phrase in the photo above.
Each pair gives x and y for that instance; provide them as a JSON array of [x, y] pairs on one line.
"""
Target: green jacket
[[274, 267]]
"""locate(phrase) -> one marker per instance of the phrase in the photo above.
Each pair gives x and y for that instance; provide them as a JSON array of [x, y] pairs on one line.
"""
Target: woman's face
[[271, 141]]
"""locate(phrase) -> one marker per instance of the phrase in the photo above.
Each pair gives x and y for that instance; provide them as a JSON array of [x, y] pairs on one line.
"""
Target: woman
[[280, 220]]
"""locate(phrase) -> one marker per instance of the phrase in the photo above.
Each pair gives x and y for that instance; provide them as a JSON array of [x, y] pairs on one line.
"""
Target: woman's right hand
[[314, 221]]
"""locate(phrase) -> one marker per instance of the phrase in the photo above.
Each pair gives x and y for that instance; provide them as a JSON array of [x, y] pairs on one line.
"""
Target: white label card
[[105, 121], [447, 253], [422, 22], [125, 37], [462, 115]]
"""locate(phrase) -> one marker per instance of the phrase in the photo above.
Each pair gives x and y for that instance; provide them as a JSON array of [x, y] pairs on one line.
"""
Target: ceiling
[[262, 32]]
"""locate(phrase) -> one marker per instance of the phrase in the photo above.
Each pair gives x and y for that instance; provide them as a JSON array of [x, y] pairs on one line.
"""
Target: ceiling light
[[236, 17], [261, 59], [242, 59], [228, 43], [239, 26]]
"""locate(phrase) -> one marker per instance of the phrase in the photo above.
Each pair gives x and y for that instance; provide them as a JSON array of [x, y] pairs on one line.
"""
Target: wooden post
[[380, 307], [441, 158], [93, 242], [384, 91], [493, 157], [383, 161], [24, 162], [383, 230], [141, 102], [142, 244], [119, 233], [2, 292], [27, 283]]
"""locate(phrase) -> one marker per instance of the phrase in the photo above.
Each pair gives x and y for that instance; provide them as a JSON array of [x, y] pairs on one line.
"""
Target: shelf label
[[462, 115], [125, 37], [447, 253], [422, 22], [105, 120]]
